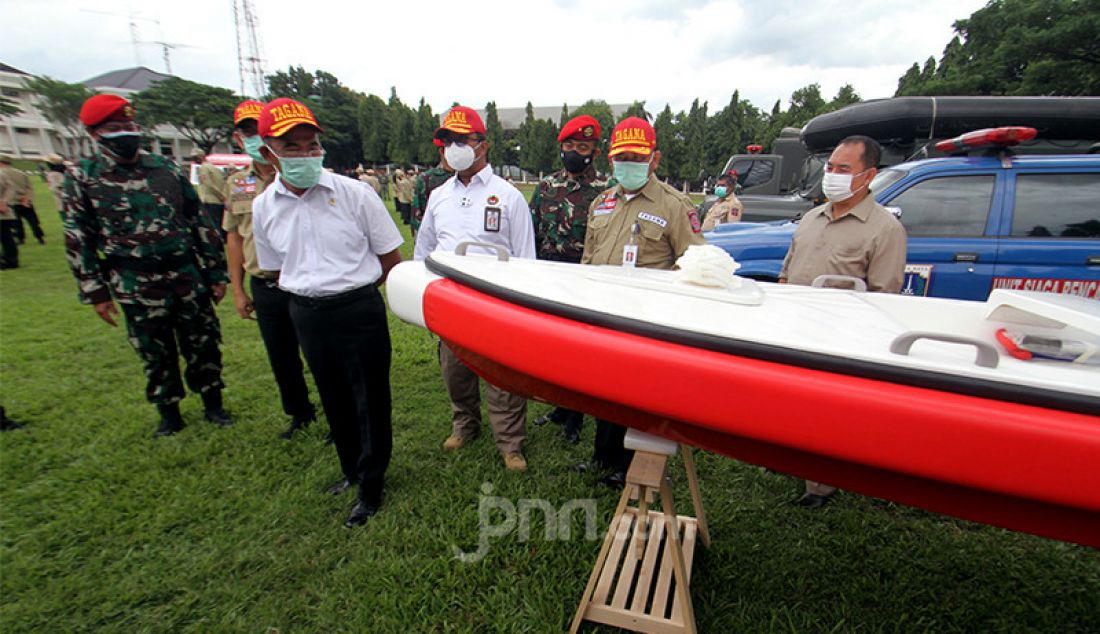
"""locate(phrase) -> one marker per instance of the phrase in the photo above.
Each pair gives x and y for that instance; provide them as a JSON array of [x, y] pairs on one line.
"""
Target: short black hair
[[872, 151], [727, 177]]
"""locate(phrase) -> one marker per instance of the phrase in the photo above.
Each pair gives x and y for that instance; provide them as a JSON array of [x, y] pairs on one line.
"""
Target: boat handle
[[502, 253], [987, 355], [860, 285]]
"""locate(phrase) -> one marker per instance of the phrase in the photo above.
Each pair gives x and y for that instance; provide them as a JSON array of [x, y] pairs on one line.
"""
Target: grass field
[[103, 528]]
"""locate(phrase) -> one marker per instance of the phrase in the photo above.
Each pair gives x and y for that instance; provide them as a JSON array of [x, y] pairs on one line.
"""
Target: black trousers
[[26, 213], [609, 451], [215, 212], [9, 248], [281, 341], [346, 341], [404, 209]]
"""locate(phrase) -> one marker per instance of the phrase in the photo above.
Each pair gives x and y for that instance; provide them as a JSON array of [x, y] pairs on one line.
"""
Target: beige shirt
[[868, 242], [241, 189], [723, 211], [373, 181], [7, 190], [667, 220], [211, 185], [55, 180], [20, 190]]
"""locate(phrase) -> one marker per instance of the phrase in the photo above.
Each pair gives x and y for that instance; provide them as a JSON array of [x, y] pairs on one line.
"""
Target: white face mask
[[459, 157], [838, 187]]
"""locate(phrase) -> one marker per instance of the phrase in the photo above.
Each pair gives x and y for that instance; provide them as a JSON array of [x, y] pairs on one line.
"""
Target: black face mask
[[122, 145], [575, 162]]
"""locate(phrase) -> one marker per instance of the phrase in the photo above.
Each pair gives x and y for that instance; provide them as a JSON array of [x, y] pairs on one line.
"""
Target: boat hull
[[1013, 465]]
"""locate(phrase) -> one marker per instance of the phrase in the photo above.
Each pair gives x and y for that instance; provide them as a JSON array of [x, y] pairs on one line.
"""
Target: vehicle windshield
[[884, 179]]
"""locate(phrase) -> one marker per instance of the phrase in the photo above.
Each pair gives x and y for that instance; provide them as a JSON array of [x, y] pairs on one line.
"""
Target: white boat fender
[[1027, 347]]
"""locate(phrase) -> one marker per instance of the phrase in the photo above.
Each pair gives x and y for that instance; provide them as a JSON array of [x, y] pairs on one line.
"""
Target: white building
[[30, 135]]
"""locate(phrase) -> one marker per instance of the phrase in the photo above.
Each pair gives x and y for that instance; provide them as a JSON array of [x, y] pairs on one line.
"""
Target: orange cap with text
[[281, 115], [633, 134], [248, 109], [461, 120]]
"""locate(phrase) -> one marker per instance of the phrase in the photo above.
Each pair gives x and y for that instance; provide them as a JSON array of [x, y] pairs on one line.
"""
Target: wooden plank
[[643, 589], [690, 531], [629, 564], [630, 620], [647, 469], [683, 590], [696, 497], [664, 580], [582, 607], [611, 564]]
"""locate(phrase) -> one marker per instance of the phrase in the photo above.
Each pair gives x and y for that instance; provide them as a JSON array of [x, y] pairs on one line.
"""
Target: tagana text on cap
[[247, 109], [281, 115], [102, 108], [461, 120], [582, 128], [633, 134]]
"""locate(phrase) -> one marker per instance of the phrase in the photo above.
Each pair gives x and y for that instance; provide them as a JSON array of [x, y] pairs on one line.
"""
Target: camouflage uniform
[[136, 234], [559, 208], [425, 183]]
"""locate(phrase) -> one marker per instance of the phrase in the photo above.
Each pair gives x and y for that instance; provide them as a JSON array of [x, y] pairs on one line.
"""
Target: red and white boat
[[868, 392]]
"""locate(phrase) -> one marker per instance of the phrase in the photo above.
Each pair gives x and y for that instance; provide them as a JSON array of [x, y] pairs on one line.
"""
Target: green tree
[[694, 148], [373, 130], [538, 143], [669, 143], [336, 107], [1018, 47], [59, 102], [494, 132], [636, 109], [402, 140], [846, 96], [564, 118], [426, 124], [202, 113]]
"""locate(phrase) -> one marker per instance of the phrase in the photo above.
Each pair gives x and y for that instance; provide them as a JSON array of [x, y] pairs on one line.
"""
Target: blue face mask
[[721, 191], [252, 145], [301, 172], [632, 176]]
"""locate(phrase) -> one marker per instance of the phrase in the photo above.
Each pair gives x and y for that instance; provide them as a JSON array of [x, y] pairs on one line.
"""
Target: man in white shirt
[[333, 242], [476, 205]]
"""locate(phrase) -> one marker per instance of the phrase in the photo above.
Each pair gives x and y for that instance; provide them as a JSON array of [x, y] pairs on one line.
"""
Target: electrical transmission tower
[[250, 59]]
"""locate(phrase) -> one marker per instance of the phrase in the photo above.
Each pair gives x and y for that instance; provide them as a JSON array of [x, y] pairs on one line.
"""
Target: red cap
[[461, 120], [582, 128], [633, 134], [281, 115], [248, 109], [101, 108]]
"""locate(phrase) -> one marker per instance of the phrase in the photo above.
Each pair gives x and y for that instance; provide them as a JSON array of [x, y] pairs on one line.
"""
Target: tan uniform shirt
[[405, 189], [868, 242], [241, 189], [55, 180], [723, 211], [668, 222], [373, 181], [211, 185], [7, 191], [20, 191]]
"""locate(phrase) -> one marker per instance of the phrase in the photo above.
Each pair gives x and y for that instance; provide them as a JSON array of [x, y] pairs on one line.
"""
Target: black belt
[[150, 264], [335, 301]]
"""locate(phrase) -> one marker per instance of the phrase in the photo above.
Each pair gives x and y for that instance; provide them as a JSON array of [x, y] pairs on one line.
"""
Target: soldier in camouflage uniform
[[134, 234], [425, 183], [559, 207]]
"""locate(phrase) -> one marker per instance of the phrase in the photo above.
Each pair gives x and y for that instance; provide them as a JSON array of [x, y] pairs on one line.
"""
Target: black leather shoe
[[542, 420], [168, 427], [296, 424], [589, 466], [615, 481], [812, 501], [360, 514], [339, 487], [219, 417]]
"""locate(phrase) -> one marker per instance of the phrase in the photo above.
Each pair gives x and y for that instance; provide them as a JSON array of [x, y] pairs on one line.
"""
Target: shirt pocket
[[849, 258]]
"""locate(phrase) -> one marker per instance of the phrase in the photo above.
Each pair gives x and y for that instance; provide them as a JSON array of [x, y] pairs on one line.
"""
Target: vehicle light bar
[[1003, 137]]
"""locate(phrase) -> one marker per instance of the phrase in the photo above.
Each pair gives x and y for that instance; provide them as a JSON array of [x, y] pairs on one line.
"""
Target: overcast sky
[[473, 51]]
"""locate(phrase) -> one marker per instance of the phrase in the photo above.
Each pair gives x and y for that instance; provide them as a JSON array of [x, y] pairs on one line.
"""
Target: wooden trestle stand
[[641, 580]]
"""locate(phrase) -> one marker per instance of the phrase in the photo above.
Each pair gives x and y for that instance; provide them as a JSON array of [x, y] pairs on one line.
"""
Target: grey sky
[[474, 51]]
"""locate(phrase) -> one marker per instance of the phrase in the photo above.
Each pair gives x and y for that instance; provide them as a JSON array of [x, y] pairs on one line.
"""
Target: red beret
[[101, 108], [282, 115], [437, 143], [582, 128], [461, 120], [633, 134], [248, 109]]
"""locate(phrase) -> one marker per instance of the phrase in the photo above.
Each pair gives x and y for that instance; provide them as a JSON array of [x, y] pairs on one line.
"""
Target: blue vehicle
[[975, 223]]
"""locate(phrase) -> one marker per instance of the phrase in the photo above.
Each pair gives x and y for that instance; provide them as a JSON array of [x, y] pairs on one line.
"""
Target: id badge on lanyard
[[630, 249]]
